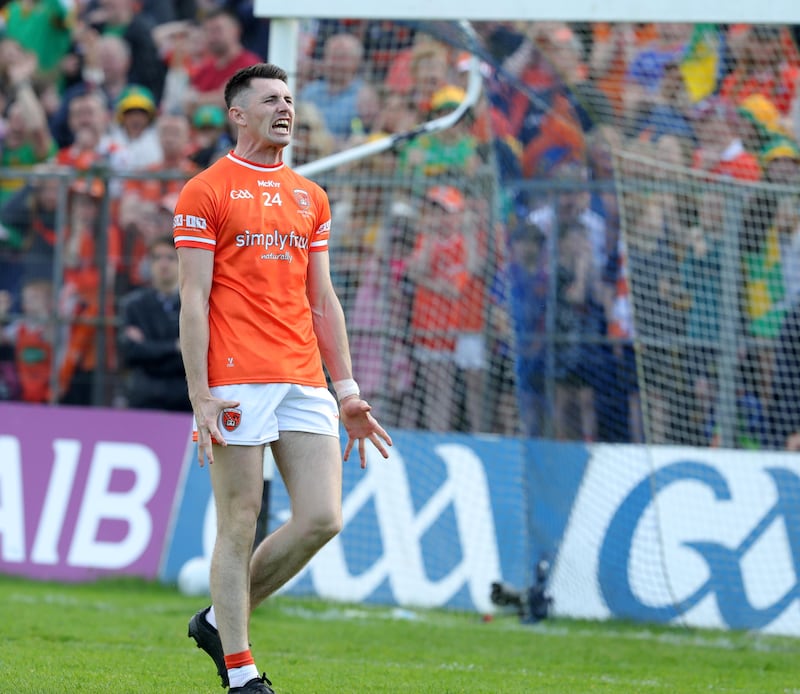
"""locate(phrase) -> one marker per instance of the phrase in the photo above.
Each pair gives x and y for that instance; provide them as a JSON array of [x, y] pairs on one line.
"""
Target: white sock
[[239, 676], [211, 618]]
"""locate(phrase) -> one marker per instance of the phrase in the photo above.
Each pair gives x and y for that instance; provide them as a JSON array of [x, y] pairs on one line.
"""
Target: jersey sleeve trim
[[195, 242]]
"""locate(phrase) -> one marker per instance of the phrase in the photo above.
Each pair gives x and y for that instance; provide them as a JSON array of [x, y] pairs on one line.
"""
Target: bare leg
[[311, 468], [237, 479]]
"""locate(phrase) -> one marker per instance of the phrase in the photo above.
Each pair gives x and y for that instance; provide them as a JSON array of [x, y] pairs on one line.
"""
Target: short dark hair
[[241, 79]]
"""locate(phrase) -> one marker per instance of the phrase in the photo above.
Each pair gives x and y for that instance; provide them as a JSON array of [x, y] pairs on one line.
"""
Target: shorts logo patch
[[231, 419]]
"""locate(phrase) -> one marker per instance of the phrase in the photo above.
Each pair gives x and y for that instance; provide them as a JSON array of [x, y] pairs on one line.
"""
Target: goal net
[[604, 250]]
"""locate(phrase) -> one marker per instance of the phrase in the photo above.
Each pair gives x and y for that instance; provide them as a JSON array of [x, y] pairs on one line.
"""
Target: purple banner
[[87, 492]]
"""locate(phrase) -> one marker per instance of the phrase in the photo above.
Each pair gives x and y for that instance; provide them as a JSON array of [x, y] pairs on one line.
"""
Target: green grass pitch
[[130, 636]]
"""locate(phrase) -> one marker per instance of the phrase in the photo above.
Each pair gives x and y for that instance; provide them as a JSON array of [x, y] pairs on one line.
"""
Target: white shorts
[[470, 351], [266, 409]]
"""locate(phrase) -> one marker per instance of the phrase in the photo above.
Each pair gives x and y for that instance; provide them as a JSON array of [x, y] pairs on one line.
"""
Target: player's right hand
[[207, 416]]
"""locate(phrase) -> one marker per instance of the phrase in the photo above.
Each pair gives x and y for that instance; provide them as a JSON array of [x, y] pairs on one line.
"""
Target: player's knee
[[322, 527]]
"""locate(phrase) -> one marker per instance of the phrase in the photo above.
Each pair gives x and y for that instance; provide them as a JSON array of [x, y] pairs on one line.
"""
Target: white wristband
[[345, 388]]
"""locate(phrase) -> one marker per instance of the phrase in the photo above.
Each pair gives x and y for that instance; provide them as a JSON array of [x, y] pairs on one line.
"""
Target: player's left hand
[[360, 426]]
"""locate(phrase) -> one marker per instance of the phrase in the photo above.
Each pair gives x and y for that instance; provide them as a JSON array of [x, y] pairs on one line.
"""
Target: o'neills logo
[[231, 419], [301, 197]]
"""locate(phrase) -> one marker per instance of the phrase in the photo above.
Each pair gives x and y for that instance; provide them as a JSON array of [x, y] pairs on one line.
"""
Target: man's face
[[173, 133], [164, 265], [221, 33], [87, 112], [268, 111]]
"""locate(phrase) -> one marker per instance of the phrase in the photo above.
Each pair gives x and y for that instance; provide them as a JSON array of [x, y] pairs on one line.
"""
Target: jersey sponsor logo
[[271, 240], [301, 197], [241, 194], [194, 222], [269, 184], [177, 221], [231, 419]]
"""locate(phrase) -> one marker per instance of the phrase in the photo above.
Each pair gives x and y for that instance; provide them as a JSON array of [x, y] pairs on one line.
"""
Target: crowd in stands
[[447, 288]]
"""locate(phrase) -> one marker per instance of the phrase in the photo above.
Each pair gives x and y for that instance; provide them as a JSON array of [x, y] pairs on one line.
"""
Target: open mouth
[[283, 126]]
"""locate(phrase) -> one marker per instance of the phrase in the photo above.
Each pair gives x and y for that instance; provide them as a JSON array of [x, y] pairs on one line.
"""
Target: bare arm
[[328, 317], [331, 332], [33, 113], [196, 268]]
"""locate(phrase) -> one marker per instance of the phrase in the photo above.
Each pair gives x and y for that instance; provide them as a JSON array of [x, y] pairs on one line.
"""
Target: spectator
[[34, 341], [780, 158], [148, 343], [142, 196], [720, 150], [612, 47], [182, 45], [429, 72], [210, 135], [559, 140], [337, 91], [396, 115], [450, 152], [174, 137], [122, 18], [564, 52], [501, 386], [10, 54], [380, 323], [43, 28], [665, 114], [27, 140], [359, 208], [469, 321], [528, 286], [572, 206], [701, 287], [577, 298], [760, 121], [651, 264], [104, 72], [438, 268], [650, 64], [135, 129], [255, 30], [764, 69], [90, 136], [86, 277], [28, 225], [225, 55], [771, 265]]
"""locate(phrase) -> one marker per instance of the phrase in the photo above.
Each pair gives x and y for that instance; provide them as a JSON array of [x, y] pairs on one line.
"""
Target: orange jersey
[[261, 223], [434, 314]]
